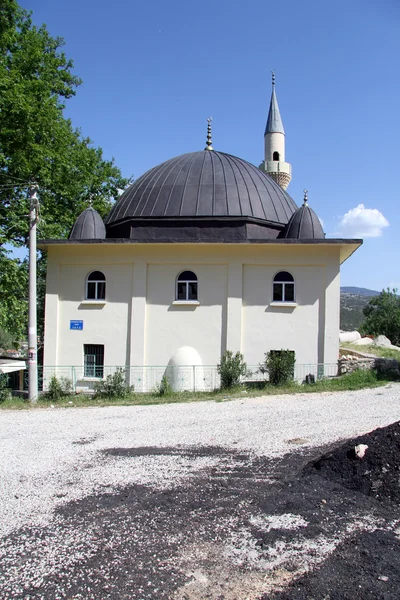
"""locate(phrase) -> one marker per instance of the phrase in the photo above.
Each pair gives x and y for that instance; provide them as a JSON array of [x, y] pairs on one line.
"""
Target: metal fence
[[147, 378]]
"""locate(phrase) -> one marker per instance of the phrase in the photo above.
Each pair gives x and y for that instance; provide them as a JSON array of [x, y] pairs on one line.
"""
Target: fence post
[[194, 378]]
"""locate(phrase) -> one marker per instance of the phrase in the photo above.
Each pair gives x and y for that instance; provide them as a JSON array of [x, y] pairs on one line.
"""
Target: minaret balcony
[[276, 166], [281, 172]]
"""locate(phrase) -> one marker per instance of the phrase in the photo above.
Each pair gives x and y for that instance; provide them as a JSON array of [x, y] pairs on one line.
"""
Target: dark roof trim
[[219, 241], [193, 220]]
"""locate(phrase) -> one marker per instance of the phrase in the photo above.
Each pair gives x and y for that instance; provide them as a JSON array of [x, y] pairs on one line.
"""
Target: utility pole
[[32, 310]]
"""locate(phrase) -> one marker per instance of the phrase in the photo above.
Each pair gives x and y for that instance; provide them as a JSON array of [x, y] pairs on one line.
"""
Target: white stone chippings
[[49, 457], [52, 456], [308, 553], [286, 521]]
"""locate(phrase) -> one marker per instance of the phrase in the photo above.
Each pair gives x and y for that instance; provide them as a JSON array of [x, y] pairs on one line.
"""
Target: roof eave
[[347, 247]]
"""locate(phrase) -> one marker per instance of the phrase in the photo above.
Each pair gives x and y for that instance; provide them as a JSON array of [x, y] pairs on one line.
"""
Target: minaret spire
[[274, 121], [209, 140], [274, 143]]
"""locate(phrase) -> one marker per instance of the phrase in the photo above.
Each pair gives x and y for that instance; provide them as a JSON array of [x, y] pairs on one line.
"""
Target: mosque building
[[203, 253]]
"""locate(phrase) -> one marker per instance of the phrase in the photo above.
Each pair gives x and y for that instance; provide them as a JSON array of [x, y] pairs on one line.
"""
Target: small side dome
[[88, 226], [303, 225]]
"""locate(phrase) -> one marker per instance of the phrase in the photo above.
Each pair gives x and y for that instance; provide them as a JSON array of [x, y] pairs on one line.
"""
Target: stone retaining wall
[[349, 363], [351, 360]]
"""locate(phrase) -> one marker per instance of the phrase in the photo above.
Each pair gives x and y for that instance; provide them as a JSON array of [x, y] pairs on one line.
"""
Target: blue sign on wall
[[77, 325]]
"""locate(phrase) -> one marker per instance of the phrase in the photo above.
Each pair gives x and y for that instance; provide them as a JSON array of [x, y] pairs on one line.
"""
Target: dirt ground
[[318, 524]]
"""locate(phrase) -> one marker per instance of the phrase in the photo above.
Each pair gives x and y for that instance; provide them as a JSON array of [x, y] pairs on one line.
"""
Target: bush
[[5, 392], [113, 386], [383, 316], [231, 368], [164, 388], [387, 368], [279, 364], [58, 389]]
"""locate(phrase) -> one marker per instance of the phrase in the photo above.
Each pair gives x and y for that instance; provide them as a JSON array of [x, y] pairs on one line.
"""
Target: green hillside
[[351, 306]]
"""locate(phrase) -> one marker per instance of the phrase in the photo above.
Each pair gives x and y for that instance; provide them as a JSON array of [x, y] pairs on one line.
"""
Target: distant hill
[[352, 302], [359, 291]]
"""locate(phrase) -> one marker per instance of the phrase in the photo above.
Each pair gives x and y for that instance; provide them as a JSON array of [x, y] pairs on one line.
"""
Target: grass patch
[[14, 403], [375, 350], [353, 381]]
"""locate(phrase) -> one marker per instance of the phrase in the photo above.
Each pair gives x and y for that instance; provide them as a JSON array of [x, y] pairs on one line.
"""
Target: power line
[[12, 186], [11, 177]]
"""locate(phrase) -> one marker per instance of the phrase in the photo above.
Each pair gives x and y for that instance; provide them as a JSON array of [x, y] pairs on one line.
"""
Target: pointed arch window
[[275, 156], [186, 286], [96, 286], [283, 287]]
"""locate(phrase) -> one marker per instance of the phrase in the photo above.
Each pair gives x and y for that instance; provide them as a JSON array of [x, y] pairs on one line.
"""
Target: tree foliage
[[13, 296], [37, 142], [6, 341], [383, 316]]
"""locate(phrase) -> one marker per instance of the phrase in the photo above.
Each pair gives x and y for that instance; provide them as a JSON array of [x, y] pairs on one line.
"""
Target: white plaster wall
[[332, 309], [267, 327], [139, 324], [52, 311], [169, 326], [102, 324]]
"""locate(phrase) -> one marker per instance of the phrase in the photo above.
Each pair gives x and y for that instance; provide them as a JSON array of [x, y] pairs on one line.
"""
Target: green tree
[[37, 143], [6, 341], [383, 316], [13, 296]]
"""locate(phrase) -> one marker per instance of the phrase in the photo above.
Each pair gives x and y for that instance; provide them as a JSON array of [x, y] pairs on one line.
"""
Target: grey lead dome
[[304, 225], [88, 226], [204, 184]]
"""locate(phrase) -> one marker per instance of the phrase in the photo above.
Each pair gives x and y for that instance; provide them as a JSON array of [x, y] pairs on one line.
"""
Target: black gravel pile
[[377, 474], [366, 566]]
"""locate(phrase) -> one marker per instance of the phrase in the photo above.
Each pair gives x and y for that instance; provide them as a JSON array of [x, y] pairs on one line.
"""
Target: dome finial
[[273, 78], [305, 199], [209, 140]]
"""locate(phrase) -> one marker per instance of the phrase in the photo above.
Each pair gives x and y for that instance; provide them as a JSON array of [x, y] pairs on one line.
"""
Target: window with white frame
[[93, 360], [96, 286], [186, 286], [283, 287]]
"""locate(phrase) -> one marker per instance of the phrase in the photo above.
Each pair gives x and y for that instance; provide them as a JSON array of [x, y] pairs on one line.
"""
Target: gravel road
[[142, 502]]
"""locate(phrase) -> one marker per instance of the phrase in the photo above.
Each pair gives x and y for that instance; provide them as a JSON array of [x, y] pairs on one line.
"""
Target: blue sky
[[153, 71]]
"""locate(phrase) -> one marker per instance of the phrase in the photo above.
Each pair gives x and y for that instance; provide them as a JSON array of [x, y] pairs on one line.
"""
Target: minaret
[[274, 139]]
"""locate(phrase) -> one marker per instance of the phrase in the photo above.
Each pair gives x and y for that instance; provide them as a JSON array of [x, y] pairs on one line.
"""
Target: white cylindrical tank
[[349, 336], [185, 370]]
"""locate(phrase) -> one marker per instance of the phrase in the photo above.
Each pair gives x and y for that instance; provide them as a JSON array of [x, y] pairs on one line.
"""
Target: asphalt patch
[[187, 452]]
